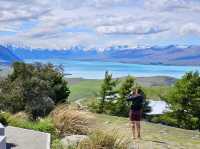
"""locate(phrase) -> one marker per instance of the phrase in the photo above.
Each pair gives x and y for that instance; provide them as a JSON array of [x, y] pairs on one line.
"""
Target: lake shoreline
[[96, 69]]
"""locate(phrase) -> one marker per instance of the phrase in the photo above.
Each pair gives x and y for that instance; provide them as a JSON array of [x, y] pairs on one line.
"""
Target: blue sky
[[99, 23]]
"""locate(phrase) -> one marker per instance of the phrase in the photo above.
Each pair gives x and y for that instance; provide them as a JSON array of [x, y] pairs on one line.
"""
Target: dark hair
[[140, 91]]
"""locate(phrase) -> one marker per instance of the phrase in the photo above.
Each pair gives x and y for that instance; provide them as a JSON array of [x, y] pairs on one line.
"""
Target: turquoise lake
[[96, 69]]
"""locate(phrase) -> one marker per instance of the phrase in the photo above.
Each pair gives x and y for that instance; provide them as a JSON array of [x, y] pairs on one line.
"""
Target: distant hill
[[168, 55], [7, 56], [143, 81], [155, 81]]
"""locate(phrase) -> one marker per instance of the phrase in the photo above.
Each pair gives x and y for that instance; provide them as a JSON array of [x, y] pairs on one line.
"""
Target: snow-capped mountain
[[7, 56], [168, 55]]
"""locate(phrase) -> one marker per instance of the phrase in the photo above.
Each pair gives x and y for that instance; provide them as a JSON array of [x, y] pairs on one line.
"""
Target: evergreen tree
[[36, 88], [122, 106], [185, 101], [107, 91]]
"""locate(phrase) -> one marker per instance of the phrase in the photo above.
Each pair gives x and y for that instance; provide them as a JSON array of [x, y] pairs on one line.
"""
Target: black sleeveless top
[[137, 102]]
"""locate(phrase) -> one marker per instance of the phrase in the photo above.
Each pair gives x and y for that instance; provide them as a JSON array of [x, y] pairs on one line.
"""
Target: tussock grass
[[104, 140], [68, 120]]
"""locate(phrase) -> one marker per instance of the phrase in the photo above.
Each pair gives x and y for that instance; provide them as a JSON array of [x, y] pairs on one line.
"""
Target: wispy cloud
[[190, 29], [103, 22]]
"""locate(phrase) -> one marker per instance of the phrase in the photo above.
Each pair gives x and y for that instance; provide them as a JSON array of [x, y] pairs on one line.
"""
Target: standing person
[[135, 114]]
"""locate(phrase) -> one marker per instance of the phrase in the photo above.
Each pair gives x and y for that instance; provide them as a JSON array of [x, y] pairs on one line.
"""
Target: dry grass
[[21, 115], [69, 120], [104, 140]]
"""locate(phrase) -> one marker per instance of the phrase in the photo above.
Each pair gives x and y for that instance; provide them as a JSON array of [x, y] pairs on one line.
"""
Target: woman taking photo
[[135, 114]]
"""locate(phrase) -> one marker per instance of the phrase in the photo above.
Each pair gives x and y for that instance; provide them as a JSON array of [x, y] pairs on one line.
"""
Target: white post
[[2, 137]]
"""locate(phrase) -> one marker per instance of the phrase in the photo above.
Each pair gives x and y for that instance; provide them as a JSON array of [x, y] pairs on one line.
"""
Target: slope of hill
[[168, 55], [88, 88], [154, 136], [155, 81], [7, 56]]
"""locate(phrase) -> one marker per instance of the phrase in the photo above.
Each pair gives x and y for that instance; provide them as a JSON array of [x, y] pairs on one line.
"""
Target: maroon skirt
[[135, 115]]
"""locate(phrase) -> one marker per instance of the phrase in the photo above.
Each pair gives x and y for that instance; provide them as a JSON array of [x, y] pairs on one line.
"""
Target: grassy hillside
[[154, 87], [154, 136], [81, 88], [155, 81]]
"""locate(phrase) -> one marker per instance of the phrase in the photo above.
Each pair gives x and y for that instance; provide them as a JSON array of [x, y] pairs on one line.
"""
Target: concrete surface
[[2, 142], [18, 138], [2, 130], [2, 137]]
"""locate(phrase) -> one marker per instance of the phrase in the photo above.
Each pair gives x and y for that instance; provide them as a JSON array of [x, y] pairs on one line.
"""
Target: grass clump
[[103, 140], [71, 121], [57, 144]]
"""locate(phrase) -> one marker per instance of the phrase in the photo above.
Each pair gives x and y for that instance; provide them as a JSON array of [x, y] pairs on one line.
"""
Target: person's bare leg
[[133, 129], [138, 129]]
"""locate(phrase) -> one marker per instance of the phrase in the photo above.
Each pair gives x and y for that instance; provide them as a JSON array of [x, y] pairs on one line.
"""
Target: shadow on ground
[[10, 145]]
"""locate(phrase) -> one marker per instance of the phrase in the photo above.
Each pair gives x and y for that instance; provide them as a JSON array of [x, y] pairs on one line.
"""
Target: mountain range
[[166, 55], [7, 56]]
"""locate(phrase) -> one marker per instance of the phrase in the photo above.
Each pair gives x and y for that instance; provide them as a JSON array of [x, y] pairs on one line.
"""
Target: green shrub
[[166, 119], [154, 119], [184, 100], [4, 118], [94, 106], [34, 88], [56, 144]]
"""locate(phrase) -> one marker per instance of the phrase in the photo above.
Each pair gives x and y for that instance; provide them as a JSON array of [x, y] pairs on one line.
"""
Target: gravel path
[[18, 138]]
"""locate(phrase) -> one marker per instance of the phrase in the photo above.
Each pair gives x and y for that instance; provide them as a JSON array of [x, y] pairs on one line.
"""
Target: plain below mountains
[[168, 55]]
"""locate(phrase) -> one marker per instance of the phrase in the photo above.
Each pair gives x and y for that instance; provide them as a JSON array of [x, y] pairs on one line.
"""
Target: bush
[[94, 106], [35, 88], [166, 119], [4, 118], [70, 121], [153, 119], [56, 144], [100, 139], [184, 100]]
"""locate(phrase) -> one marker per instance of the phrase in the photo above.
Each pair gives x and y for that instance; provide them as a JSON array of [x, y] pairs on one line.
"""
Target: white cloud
[[135, 29], [190, 29], [125, 21]]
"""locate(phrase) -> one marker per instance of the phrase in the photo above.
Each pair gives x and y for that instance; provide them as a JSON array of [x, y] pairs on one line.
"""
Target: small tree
[[107, 90], [35, 88], [184, 99], [38, 103], [122, 106]]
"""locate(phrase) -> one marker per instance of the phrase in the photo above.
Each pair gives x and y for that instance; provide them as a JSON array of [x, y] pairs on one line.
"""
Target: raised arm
[[131, 98]]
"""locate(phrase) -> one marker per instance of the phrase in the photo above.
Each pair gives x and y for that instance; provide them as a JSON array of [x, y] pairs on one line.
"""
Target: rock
[[195, 137], [107, 122], [163, 132], [73, 140]]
